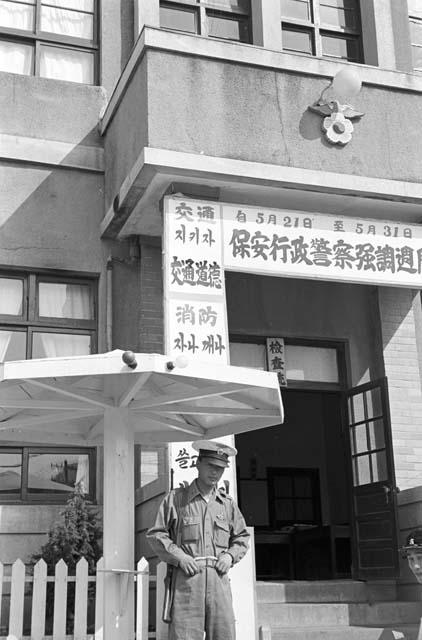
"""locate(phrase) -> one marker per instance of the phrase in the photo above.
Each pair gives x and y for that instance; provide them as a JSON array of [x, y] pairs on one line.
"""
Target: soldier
[[200, 533]]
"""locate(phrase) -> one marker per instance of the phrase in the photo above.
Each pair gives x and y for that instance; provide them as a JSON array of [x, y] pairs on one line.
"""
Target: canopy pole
[[118, 523]]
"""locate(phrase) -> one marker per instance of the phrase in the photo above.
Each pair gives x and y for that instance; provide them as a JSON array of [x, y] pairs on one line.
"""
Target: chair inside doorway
[[297, 545]]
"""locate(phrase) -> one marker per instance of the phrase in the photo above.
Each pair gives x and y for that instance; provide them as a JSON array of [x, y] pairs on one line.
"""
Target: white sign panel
[[327, 247], [194, 303], [276, 359]]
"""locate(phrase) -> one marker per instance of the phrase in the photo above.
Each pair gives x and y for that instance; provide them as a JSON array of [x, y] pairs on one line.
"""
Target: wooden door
[[374, 516]]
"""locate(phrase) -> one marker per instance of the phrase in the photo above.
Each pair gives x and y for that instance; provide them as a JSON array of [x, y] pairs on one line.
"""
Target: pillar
[[400, 311], [118, 523]]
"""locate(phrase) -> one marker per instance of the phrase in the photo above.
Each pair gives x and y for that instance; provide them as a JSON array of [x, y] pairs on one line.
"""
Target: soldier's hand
[[188, 566], [224, 563]]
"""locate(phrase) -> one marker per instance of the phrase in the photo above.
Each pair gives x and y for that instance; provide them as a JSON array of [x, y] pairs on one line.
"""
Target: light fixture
[[181, 362], [337, 113]]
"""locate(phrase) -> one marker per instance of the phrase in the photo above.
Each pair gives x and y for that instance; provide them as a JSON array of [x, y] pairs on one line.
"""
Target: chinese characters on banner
[[311, 245], [194, 301], [276, 359]]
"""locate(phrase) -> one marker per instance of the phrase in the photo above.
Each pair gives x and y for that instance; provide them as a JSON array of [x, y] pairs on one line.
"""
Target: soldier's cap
[[216, 452]]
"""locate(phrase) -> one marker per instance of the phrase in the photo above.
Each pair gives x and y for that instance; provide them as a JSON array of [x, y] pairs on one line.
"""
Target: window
[[49, 38], [46, 316], [294, 496], [415, 19], [225, 19], [46, 474], [323, 28]]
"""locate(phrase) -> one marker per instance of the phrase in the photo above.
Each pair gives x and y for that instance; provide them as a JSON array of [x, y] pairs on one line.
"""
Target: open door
[[374, 511]]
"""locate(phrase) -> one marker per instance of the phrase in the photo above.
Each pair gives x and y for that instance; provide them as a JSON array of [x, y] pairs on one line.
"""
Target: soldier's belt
[[206, 561]]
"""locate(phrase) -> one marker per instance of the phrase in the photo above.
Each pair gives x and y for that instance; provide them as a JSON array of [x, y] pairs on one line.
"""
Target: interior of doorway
[[293, 489]]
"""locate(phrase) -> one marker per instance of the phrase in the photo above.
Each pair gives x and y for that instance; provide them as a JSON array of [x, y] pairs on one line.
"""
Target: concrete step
[[318, 615], [324, 591], [403, 632]]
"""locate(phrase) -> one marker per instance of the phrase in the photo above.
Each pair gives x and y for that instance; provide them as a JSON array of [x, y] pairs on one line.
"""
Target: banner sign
[[194, 304], [326, 247], [194, 293]]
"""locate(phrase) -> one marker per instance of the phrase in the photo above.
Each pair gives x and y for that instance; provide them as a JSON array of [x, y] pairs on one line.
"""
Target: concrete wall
[[285, 307], [236, 111]]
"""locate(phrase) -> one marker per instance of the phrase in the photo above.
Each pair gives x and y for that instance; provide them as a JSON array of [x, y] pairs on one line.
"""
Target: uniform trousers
[[202, 602]]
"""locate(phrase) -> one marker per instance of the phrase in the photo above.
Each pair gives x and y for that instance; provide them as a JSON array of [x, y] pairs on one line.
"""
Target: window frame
[[318, 29], [37, 38], [203, 8], [31, 322], [315, 497], [415, 19], [26, 497]]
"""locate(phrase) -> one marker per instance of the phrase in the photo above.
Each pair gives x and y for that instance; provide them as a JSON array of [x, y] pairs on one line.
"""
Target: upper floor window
[[226, 19], [49, 38], [43, 316], [323, 28], [415, 18]]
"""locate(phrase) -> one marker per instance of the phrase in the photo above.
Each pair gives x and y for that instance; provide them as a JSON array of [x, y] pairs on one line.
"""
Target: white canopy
[[63, 400]]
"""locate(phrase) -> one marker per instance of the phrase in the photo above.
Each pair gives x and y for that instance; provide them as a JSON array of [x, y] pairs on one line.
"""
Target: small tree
[[77, 534]]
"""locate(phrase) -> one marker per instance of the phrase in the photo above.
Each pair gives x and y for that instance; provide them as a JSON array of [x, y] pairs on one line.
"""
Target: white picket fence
[[23, 609]]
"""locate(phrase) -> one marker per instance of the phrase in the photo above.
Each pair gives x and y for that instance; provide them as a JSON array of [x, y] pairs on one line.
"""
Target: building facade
[[110, 110]]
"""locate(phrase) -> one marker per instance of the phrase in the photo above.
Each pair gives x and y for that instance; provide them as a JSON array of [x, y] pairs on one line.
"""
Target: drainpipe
[[109, 304]]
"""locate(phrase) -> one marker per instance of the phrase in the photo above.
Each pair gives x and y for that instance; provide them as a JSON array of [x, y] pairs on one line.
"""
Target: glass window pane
[[357, 412], [248, 355], [10, 472], [304, 511], [358, 439], [337, 47], [230, 5], [11, 296], [77, 5], [311, 363], [379, 466], [12, 345], [67, 64], [300, 41], [220, 26], [57, 472], [377, 434], [283, 486], [179, 19], [68, 23], [59, 300], [416, 32], [284, 510], [296, 9], [361, 470], [345, 19], [303, 486], [148, 462], [16, 57], [52, 345], [415, 8], [374, 402], [417, 57], [17, 15]]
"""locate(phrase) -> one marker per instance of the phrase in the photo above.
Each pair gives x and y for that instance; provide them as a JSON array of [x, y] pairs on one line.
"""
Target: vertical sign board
[[194, 302], [276, 359]]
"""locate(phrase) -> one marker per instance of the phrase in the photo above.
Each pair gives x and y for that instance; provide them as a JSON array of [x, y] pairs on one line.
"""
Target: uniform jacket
[[187, 524]]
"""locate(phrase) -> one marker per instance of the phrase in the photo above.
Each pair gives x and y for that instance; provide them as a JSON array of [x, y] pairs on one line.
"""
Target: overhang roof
[[63, 400]]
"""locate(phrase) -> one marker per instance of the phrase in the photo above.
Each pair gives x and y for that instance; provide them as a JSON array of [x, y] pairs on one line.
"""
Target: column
[[119, 523], [146, 14], [266, 24], [400, 311]]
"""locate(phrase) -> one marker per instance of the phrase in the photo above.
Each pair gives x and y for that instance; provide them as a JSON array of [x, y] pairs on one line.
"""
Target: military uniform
[[187, 523]]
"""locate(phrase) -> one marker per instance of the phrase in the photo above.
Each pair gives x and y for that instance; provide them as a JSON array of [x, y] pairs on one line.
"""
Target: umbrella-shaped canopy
[[121, 398], [63, 400]]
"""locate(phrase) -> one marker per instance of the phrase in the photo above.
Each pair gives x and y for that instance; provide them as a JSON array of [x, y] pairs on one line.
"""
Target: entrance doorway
[[294, 489]]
